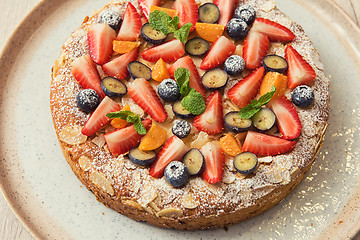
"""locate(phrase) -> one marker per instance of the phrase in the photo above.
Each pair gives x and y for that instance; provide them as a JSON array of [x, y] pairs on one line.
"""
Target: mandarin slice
[[279, 81], [160, 71], [154, 138], [209, 32], [120, 123], [171, 12], [229, 145], [124, 46]]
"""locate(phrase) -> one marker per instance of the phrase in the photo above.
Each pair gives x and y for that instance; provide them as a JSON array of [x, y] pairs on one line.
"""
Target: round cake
[[189, 114]]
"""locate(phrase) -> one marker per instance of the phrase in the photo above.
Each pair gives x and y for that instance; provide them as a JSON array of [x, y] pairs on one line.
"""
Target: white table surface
[[12, 13]]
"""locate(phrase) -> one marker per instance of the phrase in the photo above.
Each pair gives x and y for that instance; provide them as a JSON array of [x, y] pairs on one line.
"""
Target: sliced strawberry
[[227, 8], [98, 118], [145, 6], [85, 72], [287, 117], [246, 89], [131, 25], [122, 140], [214, 162], [169, 51], [275, 31], [145, 96], [265, 145], [173, 150], [195, 79], [187, 12], [254, 50], [100, 37], [211, 121], [221, 49], [299, 72], [117, 67]]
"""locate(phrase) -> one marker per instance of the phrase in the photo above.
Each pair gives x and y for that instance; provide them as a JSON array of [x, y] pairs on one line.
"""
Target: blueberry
[[176, 174], [87, 100], [234, 65], [181, 128], [302, 96], [168, 90], [246, 13], [237, 29], [112, 18]]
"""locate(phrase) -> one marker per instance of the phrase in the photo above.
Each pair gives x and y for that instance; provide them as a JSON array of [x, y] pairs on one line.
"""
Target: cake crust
[[131, 191]]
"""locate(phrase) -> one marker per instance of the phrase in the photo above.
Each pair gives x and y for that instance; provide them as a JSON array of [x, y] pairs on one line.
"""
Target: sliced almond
[[189, 201], [170, 213], [99, 140], [149, 210], [133, 204], [154, 207], [100, 181], [200, 141], [147, 194], [136, 182], [72, 135], [228, 177], [85, 163]]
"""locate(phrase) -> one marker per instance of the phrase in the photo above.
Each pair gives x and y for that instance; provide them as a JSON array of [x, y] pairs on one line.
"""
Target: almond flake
[[228, 177], [85, 163], [154, 207], [136, 182], [189, 201], [72, 135], [267, 159], [147, 194], [100, 181], [170, 213], [200, 141], [133, 204], [99, 140]]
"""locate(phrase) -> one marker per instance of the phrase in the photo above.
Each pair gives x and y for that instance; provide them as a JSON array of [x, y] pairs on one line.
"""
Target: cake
[[114, 105]]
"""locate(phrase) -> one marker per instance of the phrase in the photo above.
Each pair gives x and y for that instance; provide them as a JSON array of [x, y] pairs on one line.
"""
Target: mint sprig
[[130, 117], [193, 101], [161, 21], [256, 104]]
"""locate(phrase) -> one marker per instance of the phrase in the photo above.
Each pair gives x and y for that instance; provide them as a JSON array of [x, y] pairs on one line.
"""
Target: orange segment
[[120, 123], [154, 138], [279, 81], [124, 46], [229, 145], [209, 32], [171, 12], [160, 71]]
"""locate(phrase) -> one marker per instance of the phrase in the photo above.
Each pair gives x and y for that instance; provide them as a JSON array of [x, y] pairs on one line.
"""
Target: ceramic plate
[[51, 202]]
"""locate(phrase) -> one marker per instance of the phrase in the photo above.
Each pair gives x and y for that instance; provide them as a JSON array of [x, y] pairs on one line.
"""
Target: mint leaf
[[252, 108], [194, 102], [130, 117], [162, 22], [183, 32], [182, 77]]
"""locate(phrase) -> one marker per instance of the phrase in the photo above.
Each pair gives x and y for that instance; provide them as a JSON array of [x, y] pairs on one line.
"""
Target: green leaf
[[194, 102], [252, 108], [121, 114], [183, 32], [162, 22], [139, 127], [130, 117], [182, 76]]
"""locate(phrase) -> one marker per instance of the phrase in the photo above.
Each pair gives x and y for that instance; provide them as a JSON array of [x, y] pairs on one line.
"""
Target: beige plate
[[47, 197]]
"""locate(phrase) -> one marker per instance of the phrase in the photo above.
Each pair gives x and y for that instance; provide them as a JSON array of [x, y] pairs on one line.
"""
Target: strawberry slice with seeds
[[169, 51], [221, 49], [122, 140], [287, 117], [131, 25], [87, 75], [100, 37], [274, 31], [214, 162], [145, 6], [299, 72], [227, 8], [98, 118], [173, 150], [254, 50], [211, 121], [265, 145], [246, 89], [195, 79], [145, 96], [117, 67], [187, 12]]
